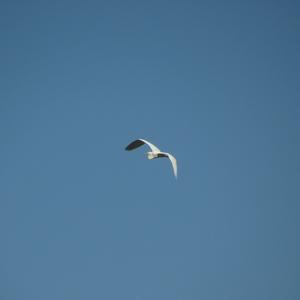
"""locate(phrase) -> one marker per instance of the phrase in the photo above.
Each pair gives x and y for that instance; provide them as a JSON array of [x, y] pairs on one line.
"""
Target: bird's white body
[[154, 153]]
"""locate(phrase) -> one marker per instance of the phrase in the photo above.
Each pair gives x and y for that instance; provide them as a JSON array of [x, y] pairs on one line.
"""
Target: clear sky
[[216, 83]]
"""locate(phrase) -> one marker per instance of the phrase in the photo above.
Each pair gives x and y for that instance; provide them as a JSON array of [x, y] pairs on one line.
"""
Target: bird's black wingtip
[[135, 144]]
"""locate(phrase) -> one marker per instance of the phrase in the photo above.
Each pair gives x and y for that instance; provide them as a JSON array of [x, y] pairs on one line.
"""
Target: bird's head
[[150, 155]]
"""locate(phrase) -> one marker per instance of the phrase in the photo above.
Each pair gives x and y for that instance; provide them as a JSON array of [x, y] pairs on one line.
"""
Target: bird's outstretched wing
[[173, 161], [137, 143]]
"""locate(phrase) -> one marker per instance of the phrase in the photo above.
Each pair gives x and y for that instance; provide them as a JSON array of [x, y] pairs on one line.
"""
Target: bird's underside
[[162, 155]]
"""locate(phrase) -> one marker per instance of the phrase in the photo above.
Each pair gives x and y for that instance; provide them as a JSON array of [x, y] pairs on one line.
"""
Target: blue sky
[[215, 83]]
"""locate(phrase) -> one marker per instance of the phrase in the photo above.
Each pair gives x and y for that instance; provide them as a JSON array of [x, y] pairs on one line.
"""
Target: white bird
[[154, 153]]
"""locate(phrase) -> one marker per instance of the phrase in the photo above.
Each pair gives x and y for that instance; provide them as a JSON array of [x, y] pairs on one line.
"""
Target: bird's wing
[[173, 161], [153, 148], [137, 143]]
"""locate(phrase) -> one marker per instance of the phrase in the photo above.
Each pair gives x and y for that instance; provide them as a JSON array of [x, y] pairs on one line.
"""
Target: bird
[[154, 153]]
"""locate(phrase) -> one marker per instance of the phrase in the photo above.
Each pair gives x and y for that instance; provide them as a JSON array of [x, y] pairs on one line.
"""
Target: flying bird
[[154, 153]]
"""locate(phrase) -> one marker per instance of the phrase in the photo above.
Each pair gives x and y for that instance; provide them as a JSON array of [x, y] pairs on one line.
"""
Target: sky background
[[216, 83]]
